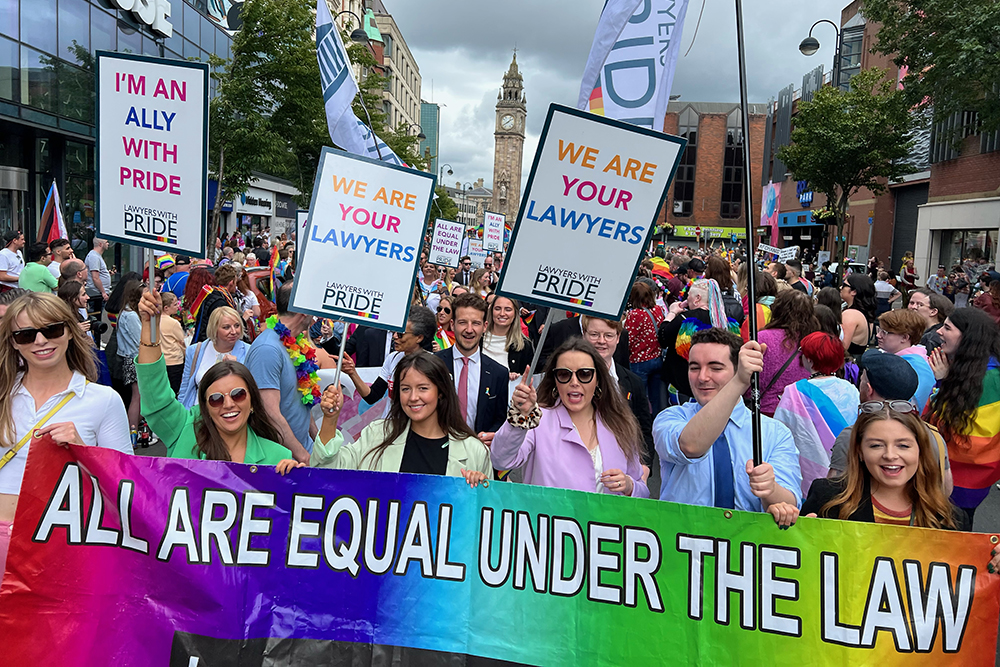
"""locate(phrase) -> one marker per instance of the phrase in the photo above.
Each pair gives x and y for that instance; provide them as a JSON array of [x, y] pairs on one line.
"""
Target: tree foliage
[[845, 141], [951, 50], [444, 206], [269, 114]]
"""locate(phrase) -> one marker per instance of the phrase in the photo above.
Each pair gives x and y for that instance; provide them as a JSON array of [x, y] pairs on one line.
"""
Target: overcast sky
[[464, 48]]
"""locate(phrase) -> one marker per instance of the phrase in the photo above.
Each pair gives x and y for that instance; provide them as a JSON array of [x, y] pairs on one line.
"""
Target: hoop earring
[[555, 393], [598, 392]]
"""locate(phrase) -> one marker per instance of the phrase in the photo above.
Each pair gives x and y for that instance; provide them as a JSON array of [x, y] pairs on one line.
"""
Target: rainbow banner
[[143, 561]]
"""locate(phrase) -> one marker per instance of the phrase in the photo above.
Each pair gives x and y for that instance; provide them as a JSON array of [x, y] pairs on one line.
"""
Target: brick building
[[708, 187], [945, 211]]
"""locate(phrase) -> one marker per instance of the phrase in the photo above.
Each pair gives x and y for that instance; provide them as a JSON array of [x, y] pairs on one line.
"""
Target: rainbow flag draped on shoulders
[[975, 458]]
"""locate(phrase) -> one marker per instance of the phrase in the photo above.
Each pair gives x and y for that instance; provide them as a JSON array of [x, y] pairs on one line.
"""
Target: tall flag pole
[[752, 268], [339, 90]]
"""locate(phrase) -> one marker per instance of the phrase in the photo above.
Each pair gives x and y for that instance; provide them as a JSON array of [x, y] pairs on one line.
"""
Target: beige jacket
[[467, 453]]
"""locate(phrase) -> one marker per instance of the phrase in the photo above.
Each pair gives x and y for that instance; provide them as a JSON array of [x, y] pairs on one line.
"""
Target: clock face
[[507, 122]]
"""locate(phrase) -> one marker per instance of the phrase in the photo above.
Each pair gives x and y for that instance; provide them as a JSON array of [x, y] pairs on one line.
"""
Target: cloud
[[463, 50]]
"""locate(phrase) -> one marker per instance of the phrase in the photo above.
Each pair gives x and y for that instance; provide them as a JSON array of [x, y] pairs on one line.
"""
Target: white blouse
[[96, 411]]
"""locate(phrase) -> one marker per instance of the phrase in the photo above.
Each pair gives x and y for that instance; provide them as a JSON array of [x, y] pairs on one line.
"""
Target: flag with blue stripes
[[339, 88]]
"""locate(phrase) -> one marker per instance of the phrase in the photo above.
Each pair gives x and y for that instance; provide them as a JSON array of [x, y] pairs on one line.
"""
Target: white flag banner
[[339, 89], [631, 66]]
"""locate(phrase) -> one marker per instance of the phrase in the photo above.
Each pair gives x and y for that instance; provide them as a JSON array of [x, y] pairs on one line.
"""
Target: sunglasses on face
[[49, 331], [871, 407], [584, 375], [444, 309], [239, 394]]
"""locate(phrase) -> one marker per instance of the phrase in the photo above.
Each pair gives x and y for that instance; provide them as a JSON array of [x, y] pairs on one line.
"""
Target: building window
[[684, 179], [387, 45], [850, 54], [732, 168]]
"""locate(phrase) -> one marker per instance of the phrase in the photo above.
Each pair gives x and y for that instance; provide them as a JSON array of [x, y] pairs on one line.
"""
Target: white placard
[[493, 228], [822, 256], [362, 246], [786, 254], [446, 243], [763, 247], [595, 190], [477, 254], [152, 152]]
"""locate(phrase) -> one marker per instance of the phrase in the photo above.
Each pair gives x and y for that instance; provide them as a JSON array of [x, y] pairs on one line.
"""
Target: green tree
[[242, 138], [845, 141], [444, 206], [368, 107], [951, 50]]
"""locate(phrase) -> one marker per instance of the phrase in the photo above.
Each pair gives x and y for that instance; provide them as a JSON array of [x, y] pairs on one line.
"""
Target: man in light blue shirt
[[705, 446]]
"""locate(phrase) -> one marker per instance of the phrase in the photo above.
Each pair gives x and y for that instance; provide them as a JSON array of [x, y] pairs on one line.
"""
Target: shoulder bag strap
[[41, 422], [781, 372], [197, 357]]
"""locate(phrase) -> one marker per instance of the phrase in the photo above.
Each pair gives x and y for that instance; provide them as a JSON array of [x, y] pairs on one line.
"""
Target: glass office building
[[47, 128]]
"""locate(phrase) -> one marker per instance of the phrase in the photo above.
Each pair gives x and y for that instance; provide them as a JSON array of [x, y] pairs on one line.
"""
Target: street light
[[465, 198], [441, 172], [420, 133], [358, 35], [810, 45]]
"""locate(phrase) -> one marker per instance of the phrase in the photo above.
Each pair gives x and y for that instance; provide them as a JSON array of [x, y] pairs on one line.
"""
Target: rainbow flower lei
[[303, 356]]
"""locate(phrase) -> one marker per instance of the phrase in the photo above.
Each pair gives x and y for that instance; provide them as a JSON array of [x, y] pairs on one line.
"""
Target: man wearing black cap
[[888, 378], [11, 262]]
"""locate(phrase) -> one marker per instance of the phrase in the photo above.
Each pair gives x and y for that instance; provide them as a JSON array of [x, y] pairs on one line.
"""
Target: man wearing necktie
[[481, 383], [705, 446], [464, 274]]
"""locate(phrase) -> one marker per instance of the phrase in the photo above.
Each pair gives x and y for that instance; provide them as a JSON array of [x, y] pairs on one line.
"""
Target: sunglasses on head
[[584, 375], [445, 309], [49, 331], [239, 394], [870, 407]]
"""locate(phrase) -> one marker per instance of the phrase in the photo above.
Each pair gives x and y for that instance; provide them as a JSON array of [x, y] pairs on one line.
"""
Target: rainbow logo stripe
[[351, 313], [508, 572], [151, 237], [565, 299]]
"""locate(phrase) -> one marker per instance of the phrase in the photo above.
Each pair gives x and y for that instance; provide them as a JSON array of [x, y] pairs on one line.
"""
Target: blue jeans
[[649, 372]]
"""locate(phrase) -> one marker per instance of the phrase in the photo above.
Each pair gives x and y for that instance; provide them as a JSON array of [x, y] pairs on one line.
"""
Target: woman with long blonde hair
[[49, 390], [893, 475], [504, 342]]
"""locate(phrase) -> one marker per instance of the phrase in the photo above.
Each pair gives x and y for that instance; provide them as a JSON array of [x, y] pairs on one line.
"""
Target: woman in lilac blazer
[[576, 432]]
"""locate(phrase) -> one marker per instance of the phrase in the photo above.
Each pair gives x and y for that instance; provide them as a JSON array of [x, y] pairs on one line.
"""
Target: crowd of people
[[878, 405]]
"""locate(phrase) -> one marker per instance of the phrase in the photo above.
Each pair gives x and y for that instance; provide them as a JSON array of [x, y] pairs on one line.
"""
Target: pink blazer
[[554, 455]]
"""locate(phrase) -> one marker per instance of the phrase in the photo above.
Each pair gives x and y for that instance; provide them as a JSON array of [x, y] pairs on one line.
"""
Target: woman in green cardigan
[[237, 429]]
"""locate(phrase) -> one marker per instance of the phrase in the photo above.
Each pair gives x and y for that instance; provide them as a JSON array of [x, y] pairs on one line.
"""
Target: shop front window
[[958, 246]]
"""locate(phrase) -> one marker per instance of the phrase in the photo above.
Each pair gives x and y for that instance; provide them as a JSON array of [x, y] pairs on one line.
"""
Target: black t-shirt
[[263, 256], [424, 456]]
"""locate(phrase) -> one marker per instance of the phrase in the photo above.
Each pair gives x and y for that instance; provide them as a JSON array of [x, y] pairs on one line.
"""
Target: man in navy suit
[[480, 382]]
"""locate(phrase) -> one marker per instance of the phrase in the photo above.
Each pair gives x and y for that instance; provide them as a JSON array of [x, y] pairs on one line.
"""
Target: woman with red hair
[[819, 407]]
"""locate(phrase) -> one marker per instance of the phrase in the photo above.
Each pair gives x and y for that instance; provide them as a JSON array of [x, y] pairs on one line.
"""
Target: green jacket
[[174, 424]]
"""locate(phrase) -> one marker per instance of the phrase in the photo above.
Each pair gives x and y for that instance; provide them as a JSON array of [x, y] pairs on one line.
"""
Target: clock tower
[[509, 144]]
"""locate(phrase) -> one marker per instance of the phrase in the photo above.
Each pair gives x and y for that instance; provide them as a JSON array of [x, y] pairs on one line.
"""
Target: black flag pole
[[747, 213]]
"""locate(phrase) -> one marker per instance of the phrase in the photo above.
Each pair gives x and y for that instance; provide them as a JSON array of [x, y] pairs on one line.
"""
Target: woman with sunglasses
[[228, 423], [48, 387], [965, 407], [424, 432], [575, 432], [445, 337], [892, 477]]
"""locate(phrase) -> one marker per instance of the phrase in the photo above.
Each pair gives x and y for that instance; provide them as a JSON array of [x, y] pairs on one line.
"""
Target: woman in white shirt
[[504, 342], [48, 384], [225, 341]]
